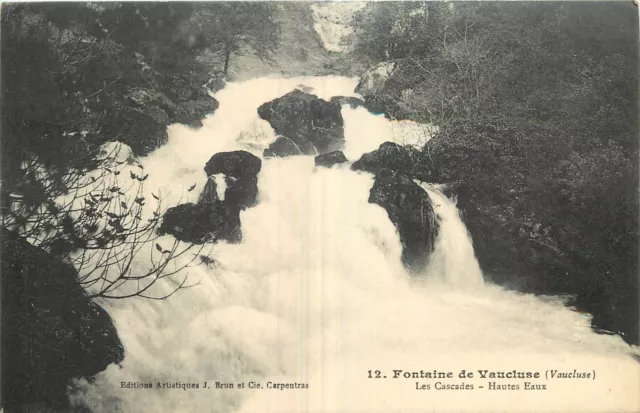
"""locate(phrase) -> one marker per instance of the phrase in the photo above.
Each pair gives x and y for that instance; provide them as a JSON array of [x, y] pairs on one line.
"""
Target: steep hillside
[[300, 51]]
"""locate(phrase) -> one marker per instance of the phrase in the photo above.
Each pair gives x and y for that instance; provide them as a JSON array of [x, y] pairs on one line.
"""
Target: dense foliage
[[77, 75], [537, 105]]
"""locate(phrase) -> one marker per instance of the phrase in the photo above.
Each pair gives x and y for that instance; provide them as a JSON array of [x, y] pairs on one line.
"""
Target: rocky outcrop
[[147, 112], [410, 210], [192, 100], [181, 88], [200, 223], [51, 331], [144, 97], [217, 217], [386, 105], [332, 22], [407, 204], [282, 147], [329, 159], [241, 193], [137, 110], [373, 81], [240, 170], [299, 51], [135, 103], [303, 117], [383, 88], [144, 130], [353, 102], [405, 160], [238, 164], [195, 110]]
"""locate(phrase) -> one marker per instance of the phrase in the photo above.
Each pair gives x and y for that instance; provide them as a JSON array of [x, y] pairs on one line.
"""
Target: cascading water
[[316, 294], [453, 260]]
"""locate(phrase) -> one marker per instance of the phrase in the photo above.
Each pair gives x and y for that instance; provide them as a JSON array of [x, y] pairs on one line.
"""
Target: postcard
[[317, 207]]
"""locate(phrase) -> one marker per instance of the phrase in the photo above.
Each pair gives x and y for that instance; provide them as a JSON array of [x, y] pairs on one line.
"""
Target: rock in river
[[303, 117]]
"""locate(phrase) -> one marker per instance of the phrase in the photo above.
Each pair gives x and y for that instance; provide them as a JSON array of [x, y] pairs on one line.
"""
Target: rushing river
[[316, 294]]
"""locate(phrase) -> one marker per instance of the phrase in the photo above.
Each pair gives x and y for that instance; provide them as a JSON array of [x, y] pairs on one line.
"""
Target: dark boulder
[[144, 130], [238, 164], [382, 105], [301, 116], [51, 331], [241, 193], [353, 102], [181, 88], [238, 194], [142, 98], [410, 210], [187, 112], [306, 147], [405, 160], [215, 217], [240, 170], [142, 122], [151, 103], [282, 147], [195, 110], [200, 223], [386, 105], [329, 159]]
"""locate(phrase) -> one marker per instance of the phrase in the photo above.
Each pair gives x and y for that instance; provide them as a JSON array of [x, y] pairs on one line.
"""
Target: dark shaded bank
[[538, 135], [51, 331], [568, 230]]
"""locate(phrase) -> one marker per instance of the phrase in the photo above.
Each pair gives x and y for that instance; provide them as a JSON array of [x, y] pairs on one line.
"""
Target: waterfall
[[315, 295], [453, 260]]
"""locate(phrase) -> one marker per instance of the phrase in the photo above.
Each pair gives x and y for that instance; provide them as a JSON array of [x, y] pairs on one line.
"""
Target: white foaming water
[[453, 260], [221, 185], [316, 293], [366, 132], [235, 125]]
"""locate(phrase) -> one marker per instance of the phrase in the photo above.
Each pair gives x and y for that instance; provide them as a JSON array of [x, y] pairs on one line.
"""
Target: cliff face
[[300, 51]]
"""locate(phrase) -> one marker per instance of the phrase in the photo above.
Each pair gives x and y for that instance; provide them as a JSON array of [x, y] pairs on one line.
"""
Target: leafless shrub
[[99, 221]]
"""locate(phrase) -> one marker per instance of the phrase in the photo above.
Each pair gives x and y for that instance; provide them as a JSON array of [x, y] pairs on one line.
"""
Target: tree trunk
[[227, 57]]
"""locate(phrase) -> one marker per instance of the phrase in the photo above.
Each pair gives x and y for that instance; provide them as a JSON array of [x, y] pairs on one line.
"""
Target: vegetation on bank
[[77, 75], [537, 105]]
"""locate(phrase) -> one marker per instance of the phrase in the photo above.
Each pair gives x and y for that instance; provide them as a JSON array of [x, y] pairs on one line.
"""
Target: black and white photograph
[[320, 207]]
